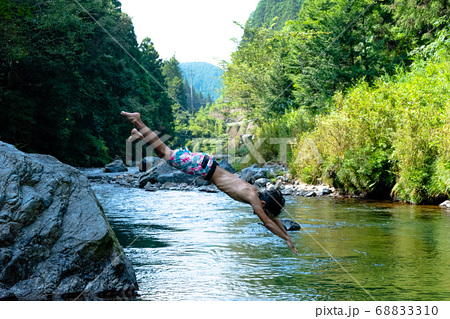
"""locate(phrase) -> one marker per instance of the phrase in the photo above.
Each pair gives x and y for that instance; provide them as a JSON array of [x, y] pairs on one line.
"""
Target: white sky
[[192, 30]]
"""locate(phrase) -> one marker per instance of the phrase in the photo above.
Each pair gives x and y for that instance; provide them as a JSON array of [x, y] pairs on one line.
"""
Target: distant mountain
[[206, 78], [267, 10]]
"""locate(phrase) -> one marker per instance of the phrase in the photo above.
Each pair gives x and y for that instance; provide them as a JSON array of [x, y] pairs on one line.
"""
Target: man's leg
[[142, 132]]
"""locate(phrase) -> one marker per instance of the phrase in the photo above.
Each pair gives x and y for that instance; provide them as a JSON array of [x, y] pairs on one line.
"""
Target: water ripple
[[202, 246]]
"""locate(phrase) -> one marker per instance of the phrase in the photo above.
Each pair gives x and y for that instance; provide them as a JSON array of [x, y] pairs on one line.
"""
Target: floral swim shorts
[[199, 164]]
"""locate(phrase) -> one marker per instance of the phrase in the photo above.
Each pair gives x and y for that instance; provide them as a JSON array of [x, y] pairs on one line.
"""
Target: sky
[[192, 30]]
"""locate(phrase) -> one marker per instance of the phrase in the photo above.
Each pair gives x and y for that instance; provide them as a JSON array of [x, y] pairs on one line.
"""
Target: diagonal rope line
[[174, 99], [276, 99], [163, 88], [131, 56], [321, 53], [128, 246], [324, 249]]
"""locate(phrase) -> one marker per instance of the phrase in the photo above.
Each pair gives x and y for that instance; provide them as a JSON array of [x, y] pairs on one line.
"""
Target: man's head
[[273, 200]]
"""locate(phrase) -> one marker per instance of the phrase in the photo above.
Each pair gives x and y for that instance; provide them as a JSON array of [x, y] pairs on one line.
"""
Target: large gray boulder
[[161, 172], [116, 166], [253, 173], [227, 166], [55, 241], [149, 162]]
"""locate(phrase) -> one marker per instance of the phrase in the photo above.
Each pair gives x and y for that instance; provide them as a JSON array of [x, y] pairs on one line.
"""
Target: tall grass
[[288, 126], [392, 138]]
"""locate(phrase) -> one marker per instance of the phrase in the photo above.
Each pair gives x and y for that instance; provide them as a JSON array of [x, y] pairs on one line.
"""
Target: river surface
[[198, 246]]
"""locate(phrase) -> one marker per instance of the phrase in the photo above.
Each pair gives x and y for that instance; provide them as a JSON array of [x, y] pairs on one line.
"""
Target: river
[[198, 246]]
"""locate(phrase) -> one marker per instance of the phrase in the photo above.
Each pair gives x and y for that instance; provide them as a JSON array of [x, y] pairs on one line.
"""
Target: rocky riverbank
[[158, 175], [155, 174]]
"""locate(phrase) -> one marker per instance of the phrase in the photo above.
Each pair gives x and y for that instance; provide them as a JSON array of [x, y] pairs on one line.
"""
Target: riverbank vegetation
[[387, 139], [363, 86], [360, 88]]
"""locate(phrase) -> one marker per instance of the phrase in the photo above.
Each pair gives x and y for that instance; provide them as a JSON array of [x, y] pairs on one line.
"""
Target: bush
[[350, 148], [289, 126], [420, 144], [390, 138]]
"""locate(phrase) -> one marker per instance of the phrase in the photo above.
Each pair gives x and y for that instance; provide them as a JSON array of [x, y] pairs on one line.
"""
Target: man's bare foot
[[135, 135], [134, 118]]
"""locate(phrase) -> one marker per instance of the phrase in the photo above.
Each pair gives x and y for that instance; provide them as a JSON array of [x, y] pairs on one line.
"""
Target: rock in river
[[227, 166], [149, 162], [253, 173], [55, 241], [288, 224], [115, 167], [158, 171], [445, 204]]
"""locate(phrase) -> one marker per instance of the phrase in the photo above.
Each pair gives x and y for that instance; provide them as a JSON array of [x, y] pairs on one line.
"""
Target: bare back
[[228, 183], [234, 187]]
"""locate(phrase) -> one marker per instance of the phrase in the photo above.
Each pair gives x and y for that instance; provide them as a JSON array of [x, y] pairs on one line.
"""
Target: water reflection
[[201, 246]]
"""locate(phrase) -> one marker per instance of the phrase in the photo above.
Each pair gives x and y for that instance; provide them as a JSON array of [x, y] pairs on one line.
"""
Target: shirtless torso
[[228, 183], [233, 186]]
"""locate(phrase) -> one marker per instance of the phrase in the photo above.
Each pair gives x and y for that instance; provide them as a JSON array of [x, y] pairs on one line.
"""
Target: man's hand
[[291, 246], [273, 224]]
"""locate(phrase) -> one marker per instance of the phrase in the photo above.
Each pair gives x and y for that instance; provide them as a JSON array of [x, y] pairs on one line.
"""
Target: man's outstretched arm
[[289, 241], [274, 227]]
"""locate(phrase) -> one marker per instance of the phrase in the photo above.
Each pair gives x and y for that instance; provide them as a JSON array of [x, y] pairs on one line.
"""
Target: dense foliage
[[391, 137], [64, 79], [268, 10], [177, 92], [329, 48], [341, 79]]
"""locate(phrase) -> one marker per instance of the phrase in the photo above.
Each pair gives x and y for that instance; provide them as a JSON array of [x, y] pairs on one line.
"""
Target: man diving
[[267, 205]]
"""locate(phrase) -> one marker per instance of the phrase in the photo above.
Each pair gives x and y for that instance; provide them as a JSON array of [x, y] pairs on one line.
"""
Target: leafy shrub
[[289, 126], [392, 137]]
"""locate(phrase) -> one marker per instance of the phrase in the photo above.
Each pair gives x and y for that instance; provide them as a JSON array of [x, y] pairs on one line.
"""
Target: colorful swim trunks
[[199, 164]]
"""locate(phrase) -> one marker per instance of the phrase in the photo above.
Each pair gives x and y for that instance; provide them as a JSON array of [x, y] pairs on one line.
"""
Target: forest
[[64, 80], [68, 68], [362, 86], [268, 10]]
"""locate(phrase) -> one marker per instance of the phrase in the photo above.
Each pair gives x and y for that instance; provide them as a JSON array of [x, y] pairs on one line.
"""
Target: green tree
[[177, 92], [64, 80], [346, 41], [417, 20], [268, 10], [257, 80], [174, 80], [160, 102], [17, 109], [204, 124], [208, 99]]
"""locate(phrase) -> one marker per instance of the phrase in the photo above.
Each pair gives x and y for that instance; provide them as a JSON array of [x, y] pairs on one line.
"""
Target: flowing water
[[202, 246]]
